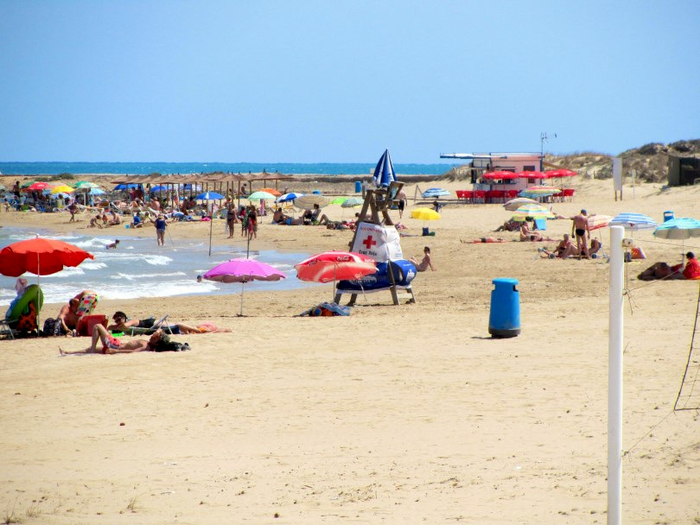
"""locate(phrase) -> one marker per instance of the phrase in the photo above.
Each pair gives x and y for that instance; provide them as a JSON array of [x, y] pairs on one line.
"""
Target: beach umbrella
[[335, 266], [96, 191], [40, 256], [260, 196], [432, 193], [84, 184], [500, 175], [384, 173], [122, 187], [243, 271], [534, 210], [272, 191], [633, 221], [289, 197], [159, 188], [425, 214], [596, 222], [560, 172], [339, 200], [514, 204], [26, 184], [308, 201], [539, 191], [63, 188], [209, 196], [352, 202], [530, 175], [680, 228], [37, 186]]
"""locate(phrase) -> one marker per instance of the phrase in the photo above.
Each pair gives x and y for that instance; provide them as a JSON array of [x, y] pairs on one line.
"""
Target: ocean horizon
[[167, 168]]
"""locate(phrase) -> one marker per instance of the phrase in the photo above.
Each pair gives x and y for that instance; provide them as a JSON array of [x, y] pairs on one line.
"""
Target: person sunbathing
[[158, 342], [662, 270], [508, 226], [121, 323], [563, 250], [426, 263], [527, 235], [484, 240]]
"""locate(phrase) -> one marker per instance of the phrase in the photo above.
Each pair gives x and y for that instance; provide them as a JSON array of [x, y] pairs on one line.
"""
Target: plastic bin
[[668, 215], [504, 319], [358, 186]]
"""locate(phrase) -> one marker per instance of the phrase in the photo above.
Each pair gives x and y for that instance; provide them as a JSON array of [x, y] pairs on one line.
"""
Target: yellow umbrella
[[62, 189], [425, 214]]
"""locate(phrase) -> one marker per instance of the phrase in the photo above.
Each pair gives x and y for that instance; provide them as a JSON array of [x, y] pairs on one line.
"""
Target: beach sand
[[395, 414]]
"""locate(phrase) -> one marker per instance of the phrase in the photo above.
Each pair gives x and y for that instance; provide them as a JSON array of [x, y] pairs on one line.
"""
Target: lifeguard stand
[[375, 210]]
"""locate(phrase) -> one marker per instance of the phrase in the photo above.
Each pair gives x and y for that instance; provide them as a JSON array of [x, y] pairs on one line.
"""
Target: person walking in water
[[160, 225]]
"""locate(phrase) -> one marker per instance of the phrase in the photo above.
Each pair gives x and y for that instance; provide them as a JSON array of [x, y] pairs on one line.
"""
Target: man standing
[[160, 225], [581, 229]]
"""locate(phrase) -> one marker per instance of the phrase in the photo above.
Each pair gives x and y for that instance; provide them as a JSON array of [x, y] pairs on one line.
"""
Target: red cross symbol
[[369, 242]]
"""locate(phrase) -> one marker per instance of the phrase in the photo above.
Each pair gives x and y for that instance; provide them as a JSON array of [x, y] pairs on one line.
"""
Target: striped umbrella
[[352, 202], [633, 221], [539, 191], [596, 222], [261, 196], [534, 210], [680, 228], [514, 204]]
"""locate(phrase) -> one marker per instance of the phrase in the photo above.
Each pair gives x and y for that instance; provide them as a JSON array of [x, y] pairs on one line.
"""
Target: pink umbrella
[[243, 271], [332, 266]]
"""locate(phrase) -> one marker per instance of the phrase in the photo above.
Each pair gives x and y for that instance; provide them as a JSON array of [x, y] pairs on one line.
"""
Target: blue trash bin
[[668, 215], [504, 320], [358, 186]]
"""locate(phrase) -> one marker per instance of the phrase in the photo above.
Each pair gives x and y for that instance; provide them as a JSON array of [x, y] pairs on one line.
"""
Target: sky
[[341, 80]]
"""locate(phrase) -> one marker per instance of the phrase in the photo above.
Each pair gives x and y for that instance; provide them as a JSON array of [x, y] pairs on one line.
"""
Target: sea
[[165, 168], [140, 268]]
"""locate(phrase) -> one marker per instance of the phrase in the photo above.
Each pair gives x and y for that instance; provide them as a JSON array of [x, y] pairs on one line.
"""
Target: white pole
[[615, 377]]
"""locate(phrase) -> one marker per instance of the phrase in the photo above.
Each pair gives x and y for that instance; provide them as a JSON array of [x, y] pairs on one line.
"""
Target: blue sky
[[340, 81]]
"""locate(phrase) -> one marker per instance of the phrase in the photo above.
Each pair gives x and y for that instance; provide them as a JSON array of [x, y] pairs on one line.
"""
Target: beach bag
[[166, 345], [52, 327], [326, 310]]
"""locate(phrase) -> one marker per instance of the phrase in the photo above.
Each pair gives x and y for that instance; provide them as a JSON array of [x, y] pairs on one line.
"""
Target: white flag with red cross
[[381, 243]]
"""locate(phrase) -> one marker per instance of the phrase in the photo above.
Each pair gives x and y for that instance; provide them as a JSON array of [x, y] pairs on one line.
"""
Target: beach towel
[[87, 305]]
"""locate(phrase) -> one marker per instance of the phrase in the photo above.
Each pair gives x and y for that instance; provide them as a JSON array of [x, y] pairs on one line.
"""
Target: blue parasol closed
[[384, 173]]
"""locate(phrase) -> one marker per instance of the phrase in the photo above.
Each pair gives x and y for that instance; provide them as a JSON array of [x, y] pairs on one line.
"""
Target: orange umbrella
[[274, 192], [40, 256]]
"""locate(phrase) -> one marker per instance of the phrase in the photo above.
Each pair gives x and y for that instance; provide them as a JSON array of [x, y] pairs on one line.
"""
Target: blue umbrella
[[130, 186], [289, 197], [679, 228], [209, 196], [384, 172], [96, 191], [431, 193], [633, 221], [160, 188]]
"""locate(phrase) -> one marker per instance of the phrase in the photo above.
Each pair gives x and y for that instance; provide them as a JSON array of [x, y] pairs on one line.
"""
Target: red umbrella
[[500, 175], [561, 172], [332, 266], [40, 256], [37, 186], [531, 175]]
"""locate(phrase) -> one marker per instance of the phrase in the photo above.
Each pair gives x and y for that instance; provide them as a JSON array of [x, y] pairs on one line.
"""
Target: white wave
[[93, 265]]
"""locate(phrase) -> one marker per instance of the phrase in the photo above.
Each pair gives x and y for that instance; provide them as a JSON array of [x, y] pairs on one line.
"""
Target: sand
[[395, 414]]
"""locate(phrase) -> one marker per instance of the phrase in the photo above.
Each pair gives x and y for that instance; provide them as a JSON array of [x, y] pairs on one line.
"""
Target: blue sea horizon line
[[21, 168]]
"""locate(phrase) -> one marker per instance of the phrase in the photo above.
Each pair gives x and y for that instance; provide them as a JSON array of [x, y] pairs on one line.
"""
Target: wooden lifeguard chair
[[375, 210]]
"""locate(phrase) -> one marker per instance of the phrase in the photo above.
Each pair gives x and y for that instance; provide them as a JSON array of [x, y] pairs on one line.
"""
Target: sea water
[[140, 268], [146, 168]]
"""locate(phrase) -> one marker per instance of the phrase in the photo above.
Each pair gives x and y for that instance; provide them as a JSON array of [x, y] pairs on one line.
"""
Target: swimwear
[[580, 233], [112, 344]]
